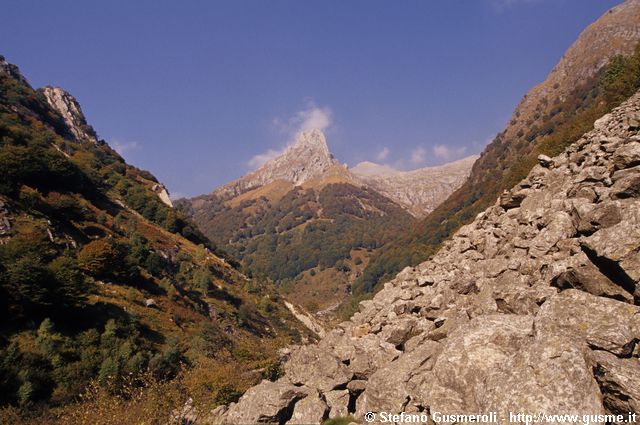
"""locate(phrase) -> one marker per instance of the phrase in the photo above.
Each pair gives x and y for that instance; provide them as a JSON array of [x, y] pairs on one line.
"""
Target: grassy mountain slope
[[101, 282], [596, 74]]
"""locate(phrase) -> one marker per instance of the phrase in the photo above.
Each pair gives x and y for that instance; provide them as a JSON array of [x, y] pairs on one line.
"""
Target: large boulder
[[468, 358], [270, 402], [619, 381], [600, 323], [316, 367], [617, 248], [547, 374], [390, 388], [310, 410]]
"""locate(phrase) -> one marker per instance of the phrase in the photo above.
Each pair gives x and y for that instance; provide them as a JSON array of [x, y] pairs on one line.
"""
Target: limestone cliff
[[418, 191], [69, 108], [533, 307]]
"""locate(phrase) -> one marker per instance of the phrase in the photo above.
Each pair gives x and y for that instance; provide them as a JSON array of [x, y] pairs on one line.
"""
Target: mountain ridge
[[308, 162], [409, 189], [596, 74]]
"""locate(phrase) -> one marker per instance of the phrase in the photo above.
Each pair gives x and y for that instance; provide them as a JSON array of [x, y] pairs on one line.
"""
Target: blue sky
[[198, 92]]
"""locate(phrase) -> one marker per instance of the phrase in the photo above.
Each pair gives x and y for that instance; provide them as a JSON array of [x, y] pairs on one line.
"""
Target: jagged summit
[[69, 108], [307, 158], [311, 143], [60, 101]]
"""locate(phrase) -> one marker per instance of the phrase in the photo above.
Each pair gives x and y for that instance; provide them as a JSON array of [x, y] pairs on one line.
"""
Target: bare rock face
[[69, 108], [272, 402], [533, 307], [309, 157], [418, 191], [163, 194]]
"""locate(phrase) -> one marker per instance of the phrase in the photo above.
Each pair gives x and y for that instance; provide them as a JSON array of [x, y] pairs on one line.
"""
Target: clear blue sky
[[193, 90]]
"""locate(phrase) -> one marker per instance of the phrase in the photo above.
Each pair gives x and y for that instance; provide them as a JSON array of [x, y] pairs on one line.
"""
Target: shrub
[[104, 258]]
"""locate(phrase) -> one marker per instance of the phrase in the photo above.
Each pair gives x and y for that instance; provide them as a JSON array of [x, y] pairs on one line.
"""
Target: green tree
[[72, 288]]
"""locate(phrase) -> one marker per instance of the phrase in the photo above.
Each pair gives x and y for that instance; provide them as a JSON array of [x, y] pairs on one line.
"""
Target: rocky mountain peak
[[69, 108], [307, 158], [311, 143]]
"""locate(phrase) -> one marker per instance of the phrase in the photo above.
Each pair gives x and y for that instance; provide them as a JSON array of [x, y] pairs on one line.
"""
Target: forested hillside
[[105, 287], [303, 237]]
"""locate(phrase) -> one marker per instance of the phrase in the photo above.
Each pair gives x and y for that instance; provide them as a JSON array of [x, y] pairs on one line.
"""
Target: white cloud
[[383, 154], [418, 155], [259, 159], [306, 119], [446, 153], [312, 118], [309, 118], [123, 147]]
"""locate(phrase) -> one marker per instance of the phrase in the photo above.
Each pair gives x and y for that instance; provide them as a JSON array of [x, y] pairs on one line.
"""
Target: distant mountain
[[418, 191], [308, 222], [597, 73], [102, 281], [302, 161]]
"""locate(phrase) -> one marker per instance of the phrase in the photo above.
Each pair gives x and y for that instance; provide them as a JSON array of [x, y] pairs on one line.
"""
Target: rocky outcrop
[[163, 194], [80, 131], [69, 108], [418, 191], [533, 307], [306, 319], [12, 71], [307, 158], [5, 224]]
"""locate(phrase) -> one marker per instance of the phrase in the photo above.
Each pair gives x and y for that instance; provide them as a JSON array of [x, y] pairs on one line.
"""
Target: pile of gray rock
[[5, 224], [533, 307]]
